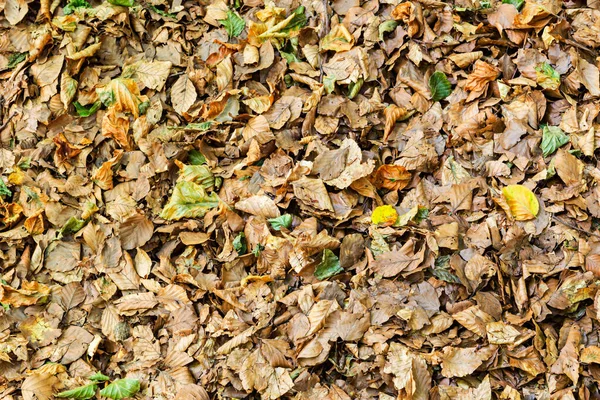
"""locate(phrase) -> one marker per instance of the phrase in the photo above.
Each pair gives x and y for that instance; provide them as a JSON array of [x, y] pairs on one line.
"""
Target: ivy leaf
[[196, 158], [233, 24], [298, 21], [552, 138], [99, 377], [239, 244], [283, 221], [329, 266], [124, 3], [517, 3], [83, 111], [121, 389], [439, 86], [81, 392]]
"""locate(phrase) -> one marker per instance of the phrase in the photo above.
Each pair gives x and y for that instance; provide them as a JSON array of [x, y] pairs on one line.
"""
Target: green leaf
[[378, 244], [329, 266], [143, 107], [552, 138], [233, 24], [74, 4], [83, 111], [189, 200], [385, 27], [15, 59], [200, 174], [121, 389], [439, 86], [73, 225], [25, 163], [517, 3], [4, 190], [297, 22], [196, 158], [547, 76], [283, 221], [441, 270], [354, 88], [81, 392], [239, 244], [422, 214], [162, 13], [329, 84], [99, 377], [259, 247], [124, 3], [289, 57]]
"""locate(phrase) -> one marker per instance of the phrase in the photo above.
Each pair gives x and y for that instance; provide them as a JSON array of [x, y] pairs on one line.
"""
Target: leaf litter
[[325, 199]]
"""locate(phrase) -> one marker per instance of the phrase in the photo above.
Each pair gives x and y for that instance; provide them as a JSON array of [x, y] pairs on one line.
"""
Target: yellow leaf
[[522, 203], [338, 39], [384, 215]]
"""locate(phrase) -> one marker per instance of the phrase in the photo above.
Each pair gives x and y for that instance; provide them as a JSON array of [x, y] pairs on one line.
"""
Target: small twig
[[4, 125], [568, 224]]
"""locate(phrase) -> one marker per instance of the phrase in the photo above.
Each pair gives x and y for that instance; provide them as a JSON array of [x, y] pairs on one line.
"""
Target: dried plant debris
[[258, 199]]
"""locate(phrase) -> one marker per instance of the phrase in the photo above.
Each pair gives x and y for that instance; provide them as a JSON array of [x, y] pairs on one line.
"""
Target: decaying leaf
[[335, 199]]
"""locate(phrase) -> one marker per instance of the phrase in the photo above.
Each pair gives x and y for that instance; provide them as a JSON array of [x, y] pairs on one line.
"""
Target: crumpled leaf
[[189, 200], [552, 138], [384, 215]]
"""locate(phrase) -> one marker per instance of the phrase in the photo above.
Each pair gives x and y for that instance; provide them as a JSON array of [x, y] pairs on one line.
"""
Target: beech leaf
[[121, 389], [329, 266], [439, 86]]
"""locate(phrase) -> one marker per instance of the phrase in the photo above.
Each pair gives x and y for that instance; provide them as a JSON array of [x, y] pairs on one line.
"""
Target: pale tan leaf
[[183, 94], [260, 205], [39, 386], [135, 231]]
